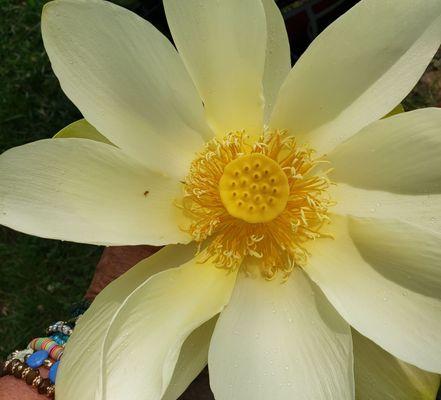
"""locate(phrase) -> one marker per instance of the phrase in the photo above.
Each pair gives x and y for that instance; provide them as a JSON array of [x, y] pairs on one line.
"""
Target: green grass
[[39, 279]]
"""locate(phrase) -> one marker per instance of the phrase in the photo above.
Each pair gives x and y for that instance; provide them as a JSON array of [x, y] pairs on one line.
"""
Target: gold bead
[[15, 366], [37, 381], [48, 363], [25, 372], [50, 391]]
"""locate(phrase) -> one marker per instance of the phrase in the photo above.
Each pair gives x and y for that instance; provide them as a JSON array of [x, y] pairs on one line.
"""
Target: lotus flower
[[291, 211]]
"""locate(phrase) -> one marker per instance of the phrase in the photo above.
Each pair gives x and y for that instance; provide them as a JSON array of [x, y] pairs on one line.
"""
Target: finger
[[12, 388], [114, 262]]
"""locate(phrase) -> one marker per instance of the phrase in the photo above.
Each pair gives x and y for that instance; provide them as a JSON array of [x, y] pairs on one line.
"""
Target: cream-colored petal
[[135, 329], [192, 360], [421, 210], [278, 55], [280, 341], [398, 154], [381, 376], [74, 379], [357, 70], [81, 129], [127, 80], [400, 320], [85, 191], [223, 46], [402, 253]]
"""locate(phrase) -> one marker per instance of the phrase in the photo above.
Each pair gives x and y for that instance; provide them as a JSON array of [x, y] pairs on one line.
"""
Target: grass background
[[40, 279]]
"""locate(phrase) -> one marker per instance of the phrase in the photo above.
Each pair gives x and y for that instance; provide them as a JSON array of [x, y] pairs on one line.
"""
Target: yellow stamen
[[261, 200]]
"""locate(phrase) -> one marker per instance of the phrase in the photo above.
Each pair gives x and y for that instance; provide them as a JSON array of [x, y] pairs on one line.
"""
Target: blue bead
[[53, 371], [36, 359]]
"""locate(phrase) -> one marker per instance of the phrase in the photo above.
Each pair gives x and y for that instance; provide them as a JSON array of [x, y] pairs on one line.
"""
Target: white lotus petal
[[422, 210], [399, 154], [85, 191], [357, 70], [223, 46], [403, 253], [400, 320], [280, 341], [127, 80], [381, 376], [278, 55], [75, 379], [192, 360], [135, 329]]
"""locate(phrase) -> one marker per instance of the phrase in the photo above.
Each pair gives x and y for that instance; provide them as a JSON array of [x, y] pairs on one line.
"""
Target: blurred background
[[40, 279]]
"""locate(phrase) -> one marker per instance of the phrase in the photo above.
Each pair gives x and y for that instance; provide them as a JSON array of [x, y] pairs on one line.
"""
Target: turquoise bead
[[59, 338], [53, 371], [36, 359]]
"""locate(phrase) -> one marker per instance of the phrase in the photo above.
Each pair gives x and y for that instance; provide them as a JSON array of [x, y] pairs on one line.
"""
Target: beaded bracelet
[[42, 352], [30, 375]]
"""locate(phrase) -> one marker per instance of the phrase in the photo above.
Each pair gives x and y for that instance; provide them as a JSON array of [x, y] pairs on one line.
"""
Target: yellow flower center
[[254, 188], [262, 200]]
